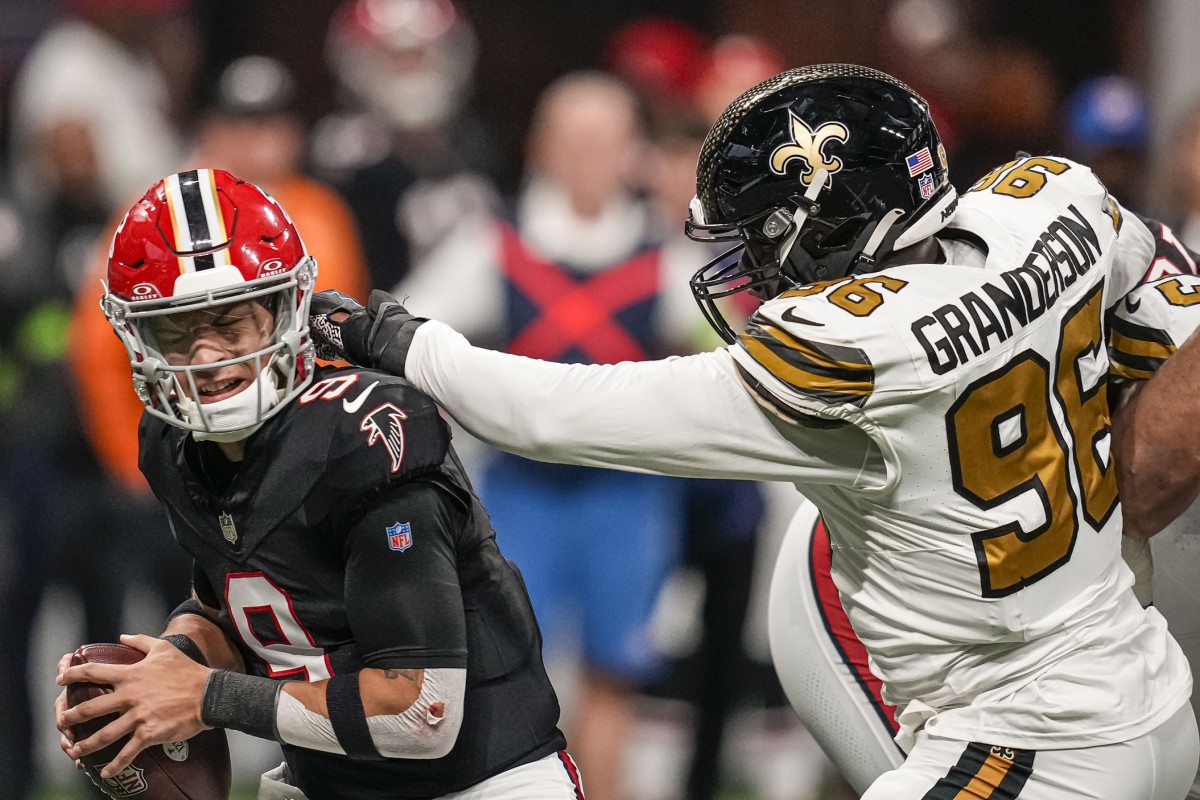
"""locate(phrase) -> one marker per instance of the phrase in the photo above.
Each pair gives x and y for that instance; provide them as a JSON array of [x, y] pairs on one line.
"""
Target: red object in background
[[734, 64], [660, 57]]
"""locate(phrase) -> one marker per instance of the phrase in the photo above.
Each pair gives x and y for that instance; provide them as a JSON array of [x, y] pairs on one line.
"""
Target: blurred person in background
[[407, 152], [660, 59], [573, 275], [90, 121], [249, 127], [92, 111], [1107, 126], [731, 65], [38, 433], [253, 129]]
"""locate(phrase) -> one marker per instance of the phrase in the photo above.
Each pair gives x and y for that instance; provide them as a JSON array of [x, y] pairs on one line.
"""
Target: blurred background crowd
[[520, 170]]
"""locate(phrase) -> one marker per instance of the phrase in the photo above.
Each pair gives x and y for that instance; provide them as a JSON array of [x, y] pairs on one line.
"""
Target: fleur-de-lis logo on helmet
[[807, 145]]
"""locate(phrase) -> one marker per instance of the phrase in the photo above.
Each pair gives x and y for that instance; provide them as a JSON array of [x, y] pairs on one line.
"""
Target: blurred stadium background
[[102, 97]]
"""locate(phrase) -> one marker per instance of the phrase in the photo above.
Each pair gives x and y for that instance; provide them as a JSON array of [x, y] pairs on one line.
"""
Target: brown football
[[197, 769]]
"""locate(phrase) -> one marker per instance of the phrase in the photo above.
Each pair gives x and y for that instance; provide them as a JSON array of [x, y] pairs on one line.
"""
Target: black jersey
[[349, 537]]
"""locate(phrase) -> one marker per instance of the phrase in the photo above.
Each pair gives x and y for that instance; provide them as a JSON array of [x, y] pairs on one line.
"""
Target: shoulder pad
[[1019, 199], [795, 343], [1150, 324], [842, 343], [381, 428]]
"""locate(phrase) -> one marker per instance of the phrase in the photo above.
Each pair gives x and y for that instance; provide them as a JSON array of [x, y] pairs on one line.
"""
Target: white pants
[[1159, 765], [1177, 593], [554, 777], [821, 664], [822, 670]]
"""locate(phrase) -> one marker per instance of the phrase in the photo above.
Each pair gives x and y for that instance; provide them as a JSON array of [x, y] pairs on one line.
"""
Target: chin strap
[[866, 258], [933, 220], [807, 206]]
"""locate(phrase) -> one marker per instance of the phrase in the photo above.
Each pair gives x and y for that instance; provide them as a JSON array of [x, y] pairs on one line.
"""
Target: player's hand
[[158, 700], [339, 327], [376, 336], [65, 741]]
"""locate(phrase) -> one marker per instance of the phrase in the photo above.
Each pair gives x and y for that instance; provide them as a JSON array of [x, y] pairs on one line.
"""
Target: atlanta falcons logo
[[383, 425]]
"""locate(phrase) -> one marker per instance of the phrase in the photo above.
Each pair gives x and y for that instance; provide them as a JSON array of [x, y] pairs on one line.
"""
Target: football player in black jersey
[[340, 553]]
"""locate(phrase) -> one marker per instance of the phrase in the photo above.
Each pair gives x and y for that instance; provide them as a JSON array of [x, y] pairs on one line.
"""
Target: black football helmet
[[816, 173]]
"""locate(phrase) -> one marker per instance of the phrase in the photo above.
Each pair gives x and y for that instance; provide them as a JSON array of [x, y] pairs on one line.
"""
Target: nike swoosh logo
[[1131, 306], [789, 315], [352, 406]]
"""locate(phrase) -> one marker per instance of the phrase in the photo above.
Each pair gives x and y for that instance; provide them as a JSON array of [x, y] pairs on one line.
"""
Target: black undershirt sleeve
[[402, 591]]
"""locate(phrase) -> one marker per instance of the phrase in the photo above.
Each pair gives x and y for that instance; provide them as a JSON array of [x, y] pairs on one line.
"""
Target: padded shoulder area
[[380, 430]]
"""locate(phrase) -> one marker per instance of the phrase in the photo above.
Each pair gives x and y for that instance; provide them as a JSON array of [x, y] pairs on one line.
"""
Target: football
[[197, 769]]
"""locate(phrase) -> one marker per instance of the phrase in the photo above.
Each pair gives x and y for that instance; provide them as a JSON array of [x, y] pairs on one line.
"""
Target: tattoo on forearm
[[392, 674]]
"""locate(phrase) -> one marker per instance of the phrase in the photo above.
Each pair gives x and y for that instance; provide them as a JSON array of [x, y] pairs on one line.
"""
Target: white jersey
[[951, 423]]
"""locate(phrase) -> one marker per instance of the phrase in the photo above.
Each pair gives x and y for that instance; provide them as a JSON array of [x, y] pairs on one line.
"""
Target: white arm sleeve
[[689, 416], [426, 729]]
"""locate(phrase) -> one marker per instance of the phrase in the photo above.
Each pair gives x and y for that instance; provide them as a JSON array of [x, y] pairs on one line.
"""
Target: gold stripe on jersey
[[1139, 347], [1114, 212], [813, 288], [829, 373], [1136, 352], [985, 781], [985, 772], [1128, 373]]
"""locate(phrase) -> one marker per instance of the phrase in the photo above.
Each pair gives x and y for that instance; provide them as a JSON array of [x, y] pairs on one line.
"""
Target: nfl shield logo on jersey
[[400, 536], [227, 528]]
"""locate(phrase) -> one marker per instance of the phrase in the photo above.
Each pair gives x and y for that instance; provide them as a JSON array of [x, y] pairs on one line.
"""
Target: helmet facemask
[[771, 255], [816, 174], [254, 337]]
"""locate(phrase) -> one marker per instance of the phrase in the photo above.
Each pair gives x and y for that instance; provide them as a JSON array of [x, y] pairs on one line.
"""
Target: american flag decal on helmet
[[198, 226]]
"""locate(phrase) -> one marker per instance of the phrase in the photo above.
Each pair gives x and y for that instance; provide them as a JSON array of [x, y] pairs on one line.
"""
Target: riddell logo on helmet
[[807, 145], [271, 265]]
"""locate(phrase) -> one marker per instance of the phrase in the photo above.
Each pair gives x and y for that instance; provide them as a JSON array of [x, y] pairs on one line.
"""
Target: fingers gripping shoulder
[[378, 335]]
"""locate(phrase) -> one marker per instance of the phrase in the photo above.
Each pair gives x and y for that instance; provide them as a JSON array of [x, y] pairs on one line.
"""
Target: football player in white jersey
[[825, 670], [931, 374]]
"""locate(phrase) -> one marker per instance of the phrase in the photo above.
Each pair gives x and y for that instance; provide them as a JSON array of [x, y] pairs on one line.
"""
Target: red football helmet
[[199, 246]]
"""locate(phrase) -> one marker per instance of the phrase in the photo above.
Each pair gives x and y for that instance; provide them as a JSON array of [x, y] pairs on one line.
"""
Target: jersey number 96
[[1005, 441]]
